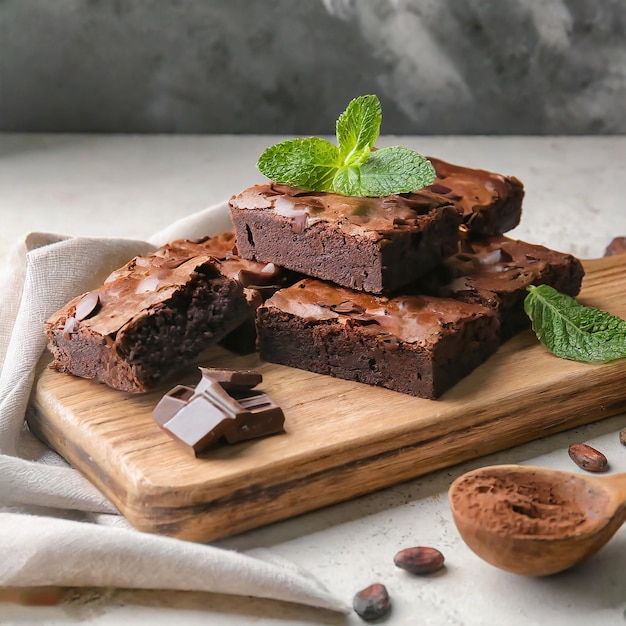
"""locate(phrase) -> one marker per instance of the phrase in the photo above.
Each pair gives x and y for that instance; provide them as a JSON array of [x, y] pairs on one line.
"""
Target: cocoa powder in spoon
[[520, 506]]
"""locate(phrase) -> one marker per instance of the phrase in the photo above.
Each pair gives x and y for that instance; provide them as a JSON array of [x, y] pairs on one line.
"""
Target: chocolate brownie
[[418, 345], [148, 319], [491, 203], [495, 271], [376, 245], [259, 280]]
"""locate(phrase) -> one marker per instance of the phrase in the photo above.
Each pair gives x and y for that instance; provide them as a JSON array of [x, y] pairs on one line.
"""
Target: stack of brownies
[[409, 292]]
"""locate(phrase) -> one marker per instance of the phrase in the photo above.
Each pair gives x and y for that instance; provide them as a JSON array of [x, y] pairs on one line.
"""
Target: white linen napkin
[[56, 528]]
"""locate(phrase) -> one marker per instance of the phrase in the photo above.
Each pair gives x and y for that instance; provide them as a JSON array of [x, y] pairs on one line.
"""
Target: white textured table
[[135, 185]]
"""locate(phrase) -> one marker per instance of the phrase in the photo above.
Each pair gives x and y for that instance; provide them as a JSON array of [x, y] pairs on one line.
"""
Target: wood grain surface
[[343, 439]]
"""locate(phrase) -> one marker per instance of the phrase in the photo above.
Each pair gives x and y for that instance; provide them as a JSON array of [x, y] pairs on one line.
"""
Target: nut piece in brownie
[[148, 319], [418, 345], [376, 245], [495, 271], [491, 203]]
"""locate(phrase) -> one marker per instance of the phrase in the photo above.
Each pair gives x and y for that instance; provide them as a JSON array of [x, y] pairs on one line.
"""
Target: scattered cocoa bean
[[372, 602], [588, 458], [622, 436], [419, 560], [616, 246]]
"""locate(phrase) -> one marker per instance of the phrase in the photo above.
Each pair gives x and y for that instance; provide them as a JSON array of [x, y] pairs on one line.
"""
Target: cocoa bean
[[588, 458], [419, 560], [616, 246], [372, 602]]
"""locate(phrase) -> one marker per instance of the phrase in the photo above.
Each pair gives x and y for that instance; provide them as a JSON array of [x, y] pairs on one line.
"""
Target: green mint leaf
[[357, 129], [352, 168], [309, 164], [395, 170], [573, 331], [347, 181]]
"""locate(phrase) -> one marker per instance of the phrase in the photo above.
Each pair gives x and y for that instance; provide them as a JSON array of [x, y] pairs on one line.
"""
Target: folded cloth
[[37, 552], [38, 489]]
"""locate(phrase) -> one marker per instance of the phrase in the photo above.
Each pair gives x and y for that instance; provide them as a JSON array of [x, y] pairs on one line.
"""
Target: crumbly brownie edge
[[502, 216], [482, 216], [162, 340]]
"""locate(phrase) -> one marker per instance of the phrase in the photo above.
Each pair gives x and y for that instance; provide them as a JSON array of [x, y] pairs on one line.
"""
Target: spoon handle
[[617, 484]]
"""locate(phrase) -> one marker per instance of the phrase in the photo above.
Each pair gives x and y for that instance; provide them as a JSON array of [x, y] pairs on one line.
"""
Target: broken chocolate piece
[[233, 379], [222, 406]]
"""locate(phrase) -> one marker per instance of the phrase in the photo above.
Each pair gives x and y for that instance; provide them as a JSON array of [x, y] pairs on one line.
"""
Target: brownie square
[[418, 345], [376, 245], [491, 203], [496, 271], [149, 318]]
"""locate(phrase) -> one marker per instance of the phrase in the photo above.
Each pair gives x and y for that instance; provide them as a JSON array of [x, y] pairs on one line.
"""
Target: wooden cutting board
[[343, 439]]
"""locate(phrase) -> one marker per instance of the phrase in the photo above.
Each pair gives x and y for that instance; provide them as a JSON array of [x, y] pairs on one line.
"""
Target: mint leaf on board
[[352, 168], [573, 331]]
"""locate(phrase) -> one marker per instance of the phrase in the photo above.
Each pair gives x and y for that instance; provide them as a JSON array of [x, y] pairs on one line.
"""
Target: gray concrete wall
[[291, 66]]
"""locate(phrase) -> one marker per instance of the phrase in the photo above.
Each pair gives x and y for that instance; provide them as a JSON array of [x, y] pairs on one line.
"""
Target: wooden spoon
[[533, 520]]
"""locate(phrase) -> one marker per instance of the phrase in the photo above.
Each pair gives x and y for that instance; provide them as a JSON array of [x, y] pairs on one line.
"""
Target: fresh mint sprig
[[351, 167], [573, 331]]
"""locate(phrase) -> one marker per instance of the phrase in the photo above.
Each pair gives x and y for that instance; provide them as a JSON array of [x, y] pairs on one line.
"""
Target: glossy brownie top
[[147, 281], [414, 319], [305, 208], [491, 202], [501, 264]]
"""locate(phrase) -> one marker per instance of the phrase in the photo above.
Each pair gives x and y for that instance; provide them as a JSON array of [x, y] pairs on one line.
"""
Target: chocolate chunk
[[87, 305], [221, 407], [269, 275], [172, 402], [437, 188], [173, 262], [347, 307], [233, 379], [147, 284]]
